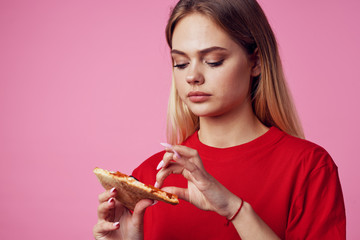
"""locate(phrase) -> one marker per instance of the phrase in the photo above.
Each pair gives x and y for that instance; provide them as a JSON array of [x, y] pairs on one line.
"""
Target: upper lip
[[197, 93]]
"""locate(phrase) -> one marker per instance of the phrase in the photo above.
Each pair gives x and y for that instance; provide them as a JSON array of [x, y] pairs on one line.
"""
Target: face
[[212, 73]]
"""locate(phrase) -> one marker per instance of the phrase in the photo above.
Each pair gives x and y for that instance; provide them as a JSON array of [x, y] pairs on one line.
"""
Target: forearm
[[249, 225]]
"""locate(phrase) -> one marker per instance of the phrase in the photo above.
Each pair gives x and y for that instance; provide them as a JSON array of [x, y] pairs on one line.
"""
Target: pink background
[[85, 84]]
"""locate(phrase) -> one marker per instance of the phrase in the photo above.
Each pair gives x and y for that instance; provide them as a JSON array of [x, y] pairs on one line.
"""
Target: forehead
[[197, 31]]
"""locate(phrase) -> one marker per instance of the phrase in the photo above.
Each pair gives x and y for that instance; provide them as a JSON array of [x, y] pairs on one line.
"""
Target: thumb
[[182, 193], [139, 211]]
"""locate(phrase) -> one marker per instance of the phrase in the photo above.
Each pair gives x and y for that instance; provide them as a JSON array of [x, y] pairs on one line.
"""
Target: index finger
[[185, 151]]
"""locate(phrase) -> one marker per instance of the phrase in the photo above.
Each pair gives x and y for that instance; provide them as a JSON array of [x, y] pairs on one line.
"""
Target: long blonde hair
[[246, 24]]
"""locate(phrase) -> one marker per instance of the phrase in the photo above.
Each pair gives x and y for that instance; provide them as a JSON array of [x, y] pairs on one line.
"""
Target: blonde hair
[[246, 24]]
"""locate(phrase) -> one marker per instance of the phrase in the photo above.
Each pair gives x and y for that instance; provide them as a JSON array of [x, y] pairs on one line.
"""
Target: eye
[[181, 66], [215, 64]]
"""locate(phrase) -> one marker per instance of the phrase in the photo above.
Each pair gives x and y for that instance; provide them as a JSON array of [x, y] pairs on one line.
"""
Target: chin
[[205, 112], [206, 109]]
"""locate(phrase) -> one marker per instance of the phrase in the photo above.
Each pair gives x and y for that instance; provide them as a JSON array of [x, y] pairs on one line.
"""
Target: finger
[[173, 168], [189, 170], [185, 151], [139, 211], [192, 165], [169, 147], [188, 157], [104, 227], [106, 210], [168, 157], [182, 193], [105, 196], [194, 170], [192, 162]]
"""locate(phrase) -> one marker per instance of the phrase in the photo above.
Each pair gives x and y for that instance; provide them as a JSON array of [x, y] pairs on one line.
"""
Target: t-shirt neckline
[[270, 137]]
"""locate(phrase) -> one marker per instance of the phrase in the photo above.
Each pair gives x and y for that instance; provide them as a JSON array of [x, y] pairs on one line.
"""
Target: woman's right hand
[[116, 222]]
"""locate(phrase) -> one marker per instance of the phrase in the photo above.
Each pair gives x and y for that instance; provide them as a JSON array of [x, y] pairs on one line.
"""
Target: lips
[[197, 96]]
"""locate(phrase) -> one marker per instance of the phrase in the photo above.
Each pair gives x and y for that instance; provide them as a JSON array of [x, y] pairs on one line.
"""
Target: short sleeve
[[318, 210]]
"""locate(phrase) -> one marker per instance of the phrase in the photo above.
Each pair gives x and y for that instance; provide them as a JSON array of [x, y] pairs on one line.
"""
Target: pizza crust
[[130, 191]]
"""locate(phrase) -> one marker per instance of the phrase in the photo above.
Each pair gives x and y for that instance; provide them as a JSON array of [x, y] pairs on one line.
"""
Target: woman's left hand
[[203, 190]]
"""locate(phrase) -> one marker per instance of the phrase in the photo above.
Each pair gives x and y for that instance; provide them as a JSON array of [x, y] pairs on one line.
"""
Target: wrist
[[233, 206], [237, 211]]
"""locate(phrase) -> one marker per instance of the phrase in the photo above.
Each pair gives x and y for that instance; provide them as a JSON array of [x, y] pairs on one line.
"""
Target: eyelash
[[181, 66], [215, 64], [211, 64]]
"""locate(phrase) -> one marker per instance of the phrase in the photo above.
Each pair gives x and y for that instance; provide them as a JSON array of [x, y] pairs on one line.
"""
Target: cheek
[[234, 84]]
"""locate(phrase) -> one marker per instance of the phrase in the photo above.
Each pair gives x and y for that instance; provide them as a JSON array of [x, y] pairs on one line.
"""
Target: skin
[[196, 42], [115, 221], [205, 59]]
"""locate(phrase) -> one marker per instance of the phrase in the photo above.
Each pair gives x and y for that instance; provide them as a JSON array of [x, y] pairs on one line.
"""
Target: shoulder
[[309, 154], [316, 180]]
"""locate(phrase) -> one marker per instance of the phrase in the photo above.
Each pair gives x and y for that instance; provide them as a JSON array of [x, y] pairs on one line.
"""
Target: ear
[[256, 63]]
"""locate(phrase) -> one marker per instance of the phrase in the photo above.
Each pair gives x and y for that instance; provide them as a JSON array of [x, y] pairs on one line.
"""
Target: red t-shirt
[[292, 184]]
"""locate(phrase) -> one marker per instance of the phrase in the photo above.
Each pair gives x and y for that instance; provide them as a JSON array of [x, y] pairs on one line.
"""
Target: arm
[[206, 193], [250, 226], [318, 210]]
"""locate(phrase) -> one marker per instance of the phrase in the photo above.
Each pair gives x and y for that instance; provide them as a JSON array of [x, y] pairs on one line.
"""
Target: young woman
[[238, 155]]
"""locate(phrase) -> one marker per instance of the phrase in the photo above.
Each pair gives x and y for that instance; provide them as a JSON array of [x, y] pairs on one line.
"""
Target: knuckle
[[168, 156], [159, 175], [162, 174], [103, 208]]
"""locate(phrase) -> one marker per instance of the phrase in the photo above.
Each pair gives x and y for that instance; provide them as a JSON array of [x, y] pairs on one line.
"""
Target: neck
[[231, 129]]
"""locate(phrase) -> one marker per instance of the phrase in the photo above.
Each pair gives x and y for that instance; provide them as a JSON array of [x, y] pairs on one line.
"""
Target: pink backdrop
[[85, 84]]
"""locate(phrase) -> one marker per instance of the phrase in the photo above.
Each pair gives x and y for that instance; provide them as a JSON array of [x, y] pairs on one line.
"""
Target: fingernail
[[171, 147], [111, 200], [157, 185], [155, 202], [160, 165], [166, 145], [113, 190], [116, 224], [176, 154]]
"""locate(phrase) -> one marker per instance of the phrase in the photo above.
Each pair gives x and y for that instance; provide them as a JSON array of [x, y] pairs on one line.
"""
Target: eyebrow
[[202, 52]]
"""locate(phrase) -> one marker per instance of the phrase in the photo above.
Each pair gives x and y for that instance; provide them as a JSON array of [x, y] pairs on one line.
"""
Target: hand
[[115, 221], [203, 190]]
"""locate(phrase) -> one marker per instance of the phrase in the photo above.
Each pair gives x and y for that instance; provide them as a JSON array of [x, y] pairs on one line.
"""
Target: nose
[[195, 77]]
